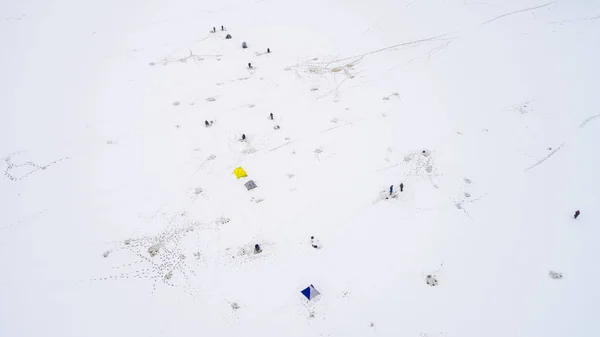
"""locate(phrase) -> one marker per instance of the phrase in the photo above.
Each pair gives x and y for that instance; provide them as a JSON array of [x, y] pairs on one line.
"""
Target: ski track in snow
[[545, 158], [411, 3], [25, 220], [589, 119], [413, 42], [517, 12]]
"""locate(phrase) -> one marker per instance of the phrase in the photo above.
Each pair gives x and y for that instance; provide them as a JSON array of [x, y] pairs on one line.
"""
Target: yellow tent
[[239, 173]]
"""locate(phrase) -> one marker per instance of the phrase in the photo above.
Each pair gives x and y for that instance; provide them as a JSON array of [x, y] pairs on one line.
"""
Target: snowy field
[[121, 215]]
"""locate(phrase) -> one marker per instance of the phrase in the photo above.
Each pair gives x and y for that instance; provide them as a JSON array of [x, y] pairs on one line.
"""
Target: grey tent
[[250, 185], [228, 37], [244, 45]]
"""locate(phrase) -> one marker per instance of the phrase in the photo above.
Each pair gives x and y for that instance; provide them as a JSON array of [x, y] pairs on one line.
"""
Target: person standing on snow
[[391, 189], [401, 187], [271, 116], [576, 214]]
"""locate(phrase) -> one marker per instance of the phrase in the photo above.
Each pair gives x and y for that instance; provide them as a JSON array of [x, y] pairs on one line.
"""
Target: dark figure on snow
[[243, 136], [244, 45], [268, 50], [249, 65], [228, 37], [222, 28], [214, 29], [206, 123], [391, 189], [576, 214], [271, 116], [401, 187], [257, 249]]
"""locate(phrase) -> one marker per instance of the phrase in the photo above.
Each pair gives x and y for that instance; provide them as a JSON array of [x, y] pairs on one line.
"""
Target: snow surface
[[107, 161]]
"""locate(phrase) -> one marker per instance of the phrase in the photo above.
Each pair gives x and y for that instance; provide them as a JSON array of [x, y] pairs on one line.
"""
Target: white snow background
[[105, 155]]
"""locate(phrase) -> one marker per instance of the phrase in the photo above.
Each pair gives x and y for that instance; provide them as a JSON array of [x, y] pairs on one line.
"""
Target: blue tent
[[310, 292]]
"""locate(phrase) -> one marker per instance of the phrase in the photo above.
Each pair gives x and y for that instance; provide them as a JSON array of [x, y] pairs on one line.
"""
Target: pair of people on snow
[[392, 188], [313, 242]]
